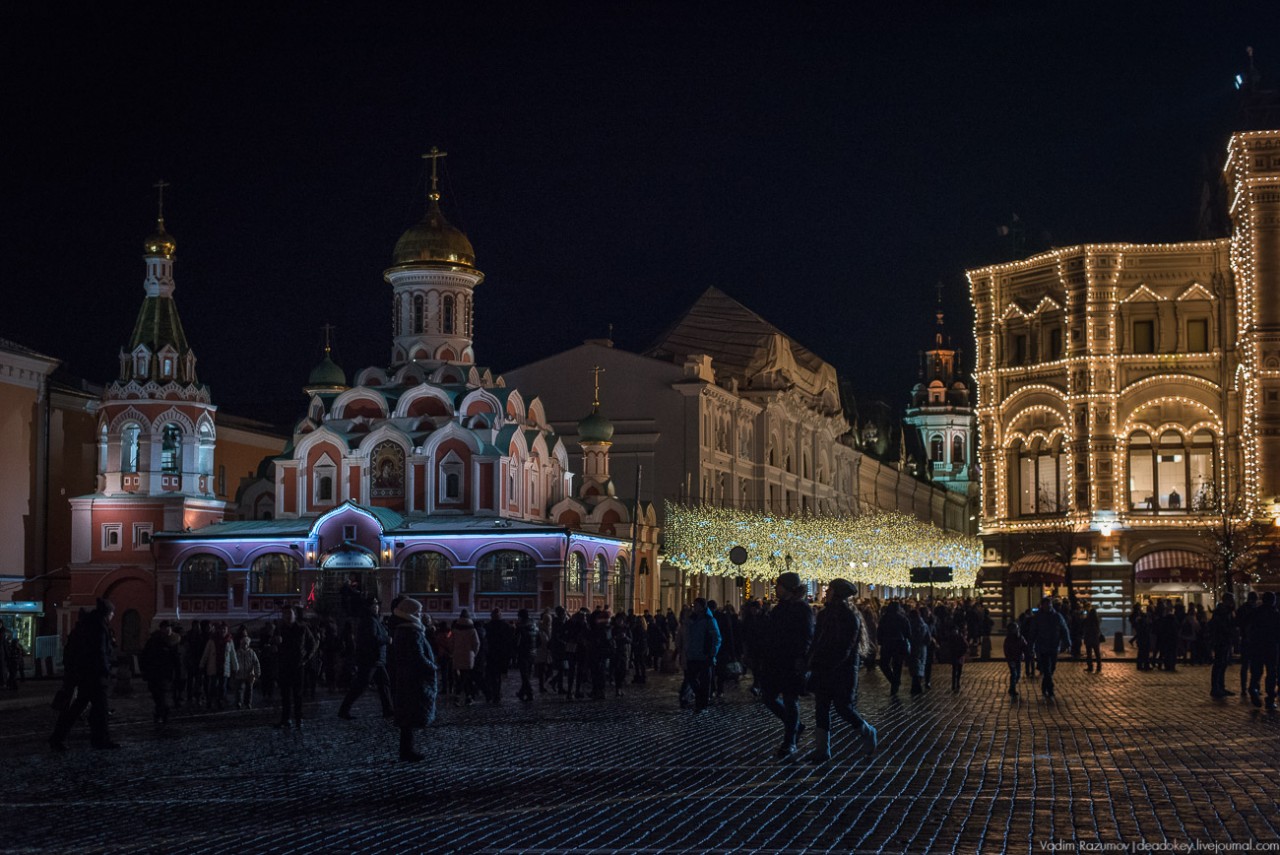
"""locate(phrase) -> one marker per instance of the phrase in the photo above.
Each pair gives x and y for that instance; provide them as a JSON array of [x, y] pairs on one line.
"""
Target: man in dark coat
[[895, 644], [1264, 650], [500, 649], [87, 659], [526, 651], [1221, 633], [787, 635], [833, 666], [1049, 637], [1244, 618], [161, 665], [413, 667], [371, 660], [296, 646]]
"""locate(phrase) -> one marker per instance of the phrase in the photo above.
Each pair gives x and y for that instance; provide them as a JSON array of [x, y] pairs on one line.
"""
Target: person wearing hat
[[787, 634], [372, 639], [833, 670], [413, 668], [87, 660]]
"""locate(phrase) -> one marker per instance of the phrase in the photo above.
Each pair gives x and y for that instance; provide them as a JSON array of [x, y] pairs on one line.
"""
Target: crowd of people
[[789, 647]]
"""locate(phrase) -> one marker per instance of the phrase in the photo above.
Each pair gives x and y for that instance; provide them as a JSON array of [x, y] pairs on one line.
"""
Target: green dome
[[327, 373], [595, 428]]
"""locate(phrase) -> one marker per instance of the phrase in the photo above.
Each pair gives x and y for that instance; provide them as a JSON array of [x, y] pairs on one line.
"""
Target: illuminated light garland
[[877, 548]]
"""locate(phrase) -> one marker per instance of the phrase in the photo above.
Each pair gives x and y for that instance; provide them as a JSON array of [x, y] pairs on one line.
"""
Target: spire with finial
[[160, 242], [328, 376], [434, 239], [434, 156], [595, 428]]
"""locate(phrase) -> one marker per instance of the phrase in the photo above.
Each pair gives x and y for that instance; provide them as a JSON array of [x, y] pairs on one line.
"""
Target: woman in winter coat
[[465, 646], [218, 663], [413, 664], [833, 670]]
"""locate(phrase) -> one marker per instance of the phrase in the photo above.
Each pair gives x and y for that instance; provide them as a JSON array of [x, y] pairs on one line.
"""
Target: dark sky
[[609, 161]]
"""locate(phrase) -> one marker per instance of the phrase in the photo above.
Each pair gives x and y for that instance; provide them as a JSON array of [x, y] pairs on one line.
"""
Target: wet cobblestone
[[1121, 757]]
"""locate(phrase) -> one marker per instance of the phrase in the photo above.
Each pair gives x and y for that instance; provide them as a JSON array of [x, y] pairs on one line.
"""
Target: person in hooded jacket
[[895, 644], [701, 640], [1015, 650], [372, 639], [413, 664], [465, 646], [784, 657], [833, 671]]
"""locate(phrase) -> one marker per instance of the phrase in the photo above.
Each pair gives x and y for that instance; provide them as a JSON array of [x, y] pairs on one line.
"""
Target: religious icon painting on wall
[[387, 462]]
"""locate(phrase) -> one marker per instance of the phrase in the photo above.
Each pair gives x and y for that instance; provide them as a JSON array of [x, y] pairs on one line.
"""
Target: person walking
[[921, 642], [500, 641], [465, 647], [296, 647], [1091, 632], [701, 642], [1221, 636], [372, 639], [833, 671], [161, 666], [895, 644], [1049, 637], [1264, 650], [956, 648], [526, 644], [218, 663], [788, 635], [1015, 650], [413, 668], [87, 662]]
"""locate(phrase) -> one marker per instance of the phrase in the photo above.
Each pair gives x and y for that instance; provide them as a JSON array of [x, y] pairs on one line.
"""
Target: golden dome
[[160, 242], [434, 239]]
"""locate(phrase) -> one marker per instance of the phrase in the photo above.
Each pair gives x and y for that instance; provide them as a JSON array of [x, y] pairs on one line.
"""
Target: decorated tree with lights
[[1235, 539]]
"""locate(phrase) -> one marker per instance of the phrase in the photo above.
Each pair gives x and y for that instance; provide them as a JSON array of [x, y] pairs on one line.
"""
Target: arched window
[[324, 489], [171, 449], [618, 585], [426, 573], [1040, 472], [276, 573], [576, 574], [203, 576], [600, 577], [935, 449], [507, 572], [419, 314], [1172, 475], [446, 315], [129, 448], [957, 450]]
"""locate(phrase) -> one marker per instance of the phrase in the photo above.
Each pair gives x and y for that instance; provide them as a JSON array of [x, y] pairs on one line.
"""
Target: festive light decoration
[[876, 548]]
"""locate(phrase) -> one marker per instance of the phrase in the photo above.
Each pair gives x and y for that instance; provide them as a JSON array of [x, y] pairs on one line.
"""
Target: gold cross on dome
[[434, 156], [328, 328], [597, 371], [159, 186]]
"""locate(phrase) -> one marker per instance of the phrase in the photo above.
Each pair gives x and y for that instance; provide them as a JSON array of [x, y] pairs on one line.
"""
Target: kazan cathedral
[[429, 477]]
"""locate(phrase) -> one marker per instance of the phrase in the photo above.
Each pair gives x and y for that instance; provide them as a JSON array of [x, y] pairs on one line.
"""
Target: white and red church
[[428, 477]]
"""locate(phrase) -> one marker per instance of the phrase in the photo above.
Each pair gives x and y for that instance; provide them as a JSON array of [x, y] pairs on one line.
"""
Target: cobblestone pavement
[[1121, 757]]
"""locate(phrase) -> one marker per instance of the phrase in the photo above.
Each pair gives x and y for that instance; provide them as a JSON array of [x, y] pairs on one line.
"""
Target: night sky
[[608, 161]]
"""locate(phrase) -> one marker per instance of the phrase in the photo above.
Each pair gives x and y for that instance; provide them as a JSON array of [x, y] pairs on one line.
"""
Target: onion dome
[[434, 240], [595, 428], [160, 242], [327, 373]]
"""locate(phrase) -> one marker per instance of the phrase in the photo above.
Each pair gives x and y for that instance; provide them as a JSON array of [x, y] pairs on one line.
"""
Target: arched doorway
[[347, 562], [132, 634]]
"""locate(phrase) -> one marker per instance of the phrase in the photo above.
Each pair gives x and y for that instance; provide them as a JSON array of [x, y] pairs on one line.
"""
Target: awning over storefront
[[1037, 568], [1173, 565]]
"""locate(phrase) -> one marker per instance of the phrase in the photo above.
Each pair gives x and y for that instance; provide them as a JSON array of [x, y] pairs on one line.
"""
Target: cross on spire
[[597, 371], [328, 328], [159, 186], [434, 156]]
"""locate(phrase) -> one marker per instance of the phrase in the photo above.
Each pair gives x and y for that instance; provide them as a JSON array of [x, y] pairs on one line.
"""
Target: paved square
[[1124, 756]]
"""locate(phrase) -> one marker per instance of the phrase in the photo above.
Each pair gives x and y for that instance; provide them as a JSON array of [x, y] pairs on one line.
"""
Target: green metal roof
[[159, 325]]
